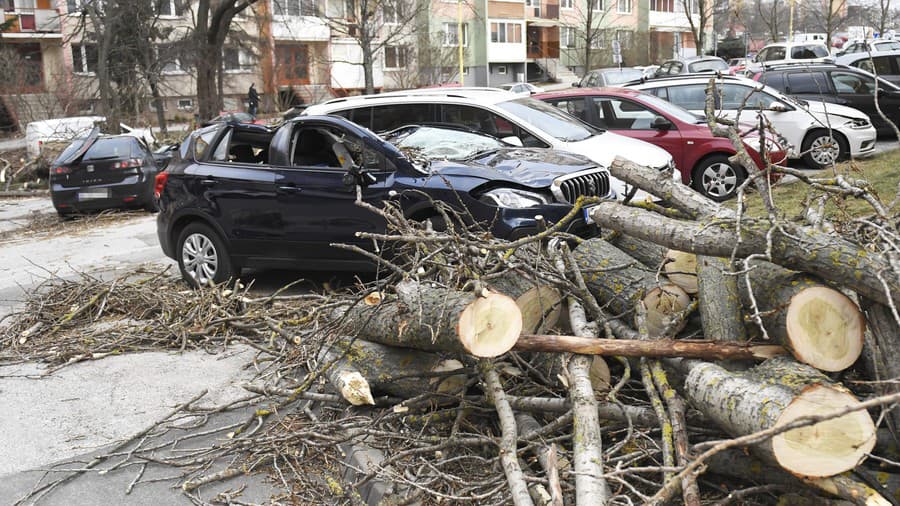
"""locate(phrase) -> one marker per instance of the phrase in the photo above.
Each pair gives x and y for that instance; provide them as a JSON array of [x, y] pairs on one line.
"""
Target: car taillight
[[61, 170], [128, 164], [160, 183]]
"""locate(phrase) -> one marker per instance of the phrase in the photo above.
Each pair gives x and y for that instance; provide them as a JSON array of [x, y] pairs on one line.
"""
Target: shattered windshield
[[435, 143]]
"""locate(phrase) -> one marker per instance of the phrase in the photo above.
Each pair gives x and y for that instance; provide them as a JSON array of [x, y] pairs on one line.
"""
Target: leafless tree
[[376, 25], [825, 15], [704, 10], [771, 14]]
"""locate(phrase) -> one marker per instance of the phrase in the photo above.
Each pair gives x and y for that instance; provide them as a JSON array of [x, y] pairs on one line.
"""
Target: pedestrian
[[252, 100]]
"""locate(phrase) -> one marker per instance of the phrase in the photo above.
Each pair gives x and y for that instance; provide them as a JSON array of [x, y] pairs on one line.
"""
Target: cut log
[[541, 305], [710, 350], [778, 392], [821, 326], [619, 282], [438, 319], [719, 300], [681, 269], [401, 372], [347, 380], [881, 362]]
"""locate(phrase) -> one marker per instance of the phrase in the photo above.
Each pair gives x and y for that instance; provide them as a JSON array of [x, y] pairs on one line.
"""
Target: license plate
[[102, 193], [586, 212]]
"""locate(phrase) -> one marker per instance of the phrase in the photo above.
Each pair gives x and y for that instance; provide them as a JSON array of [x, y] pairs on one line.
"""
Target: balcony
[[300, 28], [542, 10], [543, 49], [31, 23]]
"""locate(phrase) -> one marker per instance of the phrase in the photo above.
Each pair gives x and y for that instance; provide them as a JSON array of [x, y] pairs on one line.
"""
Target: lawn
[[882, 172]]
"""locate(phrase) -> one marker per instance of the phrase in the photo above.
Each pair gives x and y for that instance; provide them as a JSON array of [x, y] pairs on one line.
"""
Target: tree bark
[[546, 456], [778, 392], [819, 325], [795, 247], [619, 282], [648, 253], [719, 300], [881, 358], [401, 372], [438, 319], [709, 350]]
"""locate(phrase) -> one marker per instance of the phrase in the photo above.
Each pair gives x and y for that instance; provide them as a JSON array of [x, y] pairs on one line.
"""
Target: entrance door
[[292, 62]]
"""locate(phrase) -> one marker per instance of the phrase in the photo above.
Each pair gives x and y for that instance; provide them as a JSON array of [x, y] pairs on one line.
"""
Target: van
[[48, 138]]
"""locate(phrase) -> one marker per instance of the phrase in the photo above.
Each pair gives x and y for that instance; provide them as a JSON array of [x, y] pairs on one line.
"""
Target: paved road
[[79, 410]]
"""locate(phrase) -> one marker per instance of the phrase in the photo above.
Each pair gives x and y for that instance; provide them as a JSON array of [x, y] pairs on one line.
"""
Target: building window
[[237, 59], [663, 5], [84, 58], [395, 57], [72, 5], [451, 34], [168, 56], [296, 7], [506, 33], [567, 36], [391, 13], [293, 64], [185, 104], [597, 5], [567, 4], [166, 7], [598, 39], [623, 6], [501, 69], [625, 38]]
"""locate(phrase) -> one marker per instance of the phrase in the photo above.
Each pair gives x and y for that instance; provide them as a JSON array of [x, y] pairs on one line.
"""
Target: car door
[[319, 208], [576, 107], [631, 119], [242, 198]]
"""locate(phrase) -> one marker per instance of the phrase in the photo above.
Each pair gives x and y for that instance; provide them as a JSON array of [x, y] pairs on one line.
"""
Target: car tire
[[819, 158], [203, 258], [717, 178]]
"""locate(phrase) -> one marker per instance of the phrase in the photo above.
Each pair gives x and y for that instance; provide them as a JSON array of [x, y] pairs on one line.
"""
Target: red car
[[701, 157]]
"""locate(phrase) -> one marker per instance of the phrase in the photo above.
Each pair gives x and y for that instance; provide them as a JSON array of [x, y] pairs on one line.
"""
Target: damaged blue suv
[[241, 195]]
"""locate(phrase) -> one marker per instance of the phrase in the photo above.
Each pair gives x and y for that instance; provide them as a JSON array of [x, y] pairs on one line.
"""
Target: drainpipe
[[487, 40]]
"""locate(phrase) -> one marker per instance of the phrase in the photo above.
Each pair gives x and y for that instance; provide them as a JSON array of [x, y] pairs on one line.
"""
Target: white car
[[790, 52], [62, 131], [866, 47], [519, 120], [818, 132], [521, 88]]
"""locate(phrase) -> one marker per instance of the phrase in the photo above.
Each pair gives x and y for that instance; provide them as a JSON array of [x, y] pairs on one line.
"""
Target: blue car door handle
[[208, 182], [290, 188]]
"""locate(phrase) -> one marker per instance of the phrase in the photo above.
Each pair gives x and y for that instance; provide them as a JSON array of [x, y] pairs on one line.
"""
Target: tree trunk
[[820, 325], [158, 105], [648, 253], [438, 319], [719, 300], [776, 393], [619, 282], [541, 305], [401, 372], [881, 357], [709, 350]]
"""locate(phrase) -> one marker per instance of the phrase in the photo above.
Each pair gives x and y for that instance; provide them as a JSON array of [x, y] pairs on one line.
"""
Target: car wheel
[[717, 178], [203, 257], [821, 149]]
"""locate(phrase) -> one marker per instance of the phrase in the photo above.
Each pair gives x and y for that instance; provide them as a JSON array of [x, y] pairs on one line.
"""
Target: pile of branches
[[19, 174]]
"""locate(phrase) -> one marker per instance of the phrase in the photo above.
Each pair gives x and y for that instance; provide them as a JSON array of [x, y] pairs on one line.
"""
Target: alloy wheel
[[200, 259], [824, 150], [719, 180]]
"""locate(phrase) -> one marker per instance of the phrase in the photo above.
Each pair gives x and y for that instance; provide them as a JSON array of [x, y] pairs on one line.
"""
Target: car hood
[[532, 167], [816, 107], [604, 148]]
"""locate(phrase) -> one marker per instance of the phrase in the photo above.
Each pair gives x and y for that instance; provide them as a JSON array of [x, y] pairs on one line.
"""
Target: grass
[[881, 172]]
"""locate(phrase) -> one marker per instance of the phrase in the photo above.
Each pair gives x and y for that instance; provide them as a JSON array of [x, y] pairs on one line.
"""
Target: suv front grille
[[588, 183]]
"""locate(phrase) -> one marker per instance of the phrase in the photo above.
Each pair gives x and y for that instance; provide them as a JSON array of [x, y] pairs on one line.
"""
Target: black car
[[884, 63], [838, 84], [103, 172], [244, 195]]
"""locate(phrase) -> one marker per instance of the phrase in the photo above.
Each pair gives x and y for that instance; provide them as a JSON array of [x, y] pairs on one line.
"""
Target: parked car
[[49, 137], [234, 117], [886, 64], [103, 172], [701, 157], [737, 66], [608, 77], [838, 84], [790, 52], [521, 88], [820, 133], [517, 120], [243, 195], [868, 46], [691, 65]]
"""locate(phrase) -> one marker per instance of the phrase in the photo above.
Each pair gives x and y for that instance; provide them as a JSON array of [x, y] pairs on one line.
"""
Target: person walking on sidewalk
[[253, 100]]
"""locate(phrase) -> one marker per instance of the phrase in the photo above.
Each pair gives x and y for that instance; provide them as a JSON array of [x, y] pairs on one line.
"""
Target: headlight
[[515, 199], [859, 123]]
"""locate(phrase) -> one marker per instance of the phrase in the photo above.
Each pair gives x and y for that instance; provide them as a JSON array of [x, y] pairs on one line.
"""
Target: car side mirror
[[358, 176], [514, 140], [576, 84], [778, 107], [661, 123]]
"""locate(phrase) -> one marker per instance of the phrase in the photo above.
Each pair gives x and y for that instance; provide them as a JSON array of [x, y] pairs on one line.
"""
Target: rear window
[[105, 149], [708, 66], [808, 52], [390, 117]]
